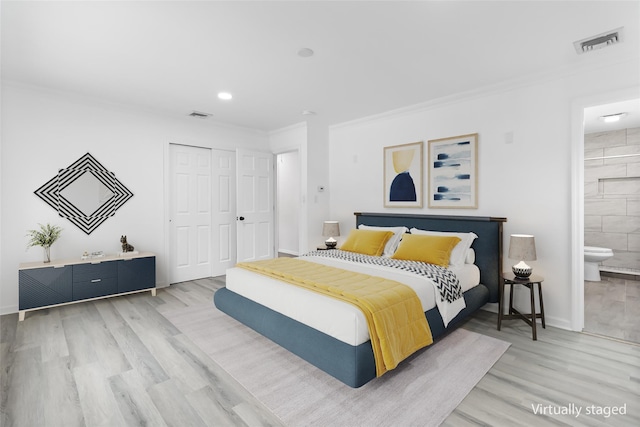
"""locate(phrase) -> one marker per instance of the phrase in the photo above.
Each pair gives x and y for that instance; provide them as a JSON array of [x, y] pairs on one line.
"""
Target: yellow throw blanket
[[397, 324]]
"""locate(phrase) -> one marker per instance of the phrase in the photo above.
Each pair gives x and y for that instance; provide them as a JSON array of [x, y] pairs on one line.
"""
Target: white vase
[[47, 253]]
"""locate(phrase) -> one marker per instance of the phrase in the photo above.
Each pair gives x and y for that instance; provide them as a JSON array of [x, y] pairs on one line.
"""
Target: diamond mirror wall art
[[403, 175], [453, 172], [85, 193]]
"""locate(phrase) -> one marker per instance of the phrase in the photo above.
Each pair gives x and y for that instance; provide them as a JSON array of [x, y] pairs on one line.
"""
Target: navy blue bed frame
[[355, 366]]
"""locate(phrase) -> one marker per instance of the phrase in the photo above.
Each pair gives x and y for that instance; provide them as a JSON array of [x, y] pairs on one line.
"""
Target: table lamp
[[522, 247], [331, 229]]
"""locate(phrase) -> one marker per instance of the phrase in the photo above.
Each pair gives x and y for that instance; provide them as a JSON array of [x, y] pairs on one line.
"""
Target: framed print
[[453, 172], [403, 176]]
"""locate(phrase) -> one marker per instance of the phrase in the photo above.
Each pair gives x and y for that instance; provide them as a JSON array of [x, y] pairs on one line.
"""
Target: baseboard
[[288, 252], [559, 323], [556, 322], [491, 307], [620, 275], [8, 309]]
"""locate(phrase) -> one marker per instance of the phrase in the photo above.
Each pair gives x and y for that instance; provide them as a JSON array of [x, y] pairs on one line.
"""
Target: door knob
[[241, 218]]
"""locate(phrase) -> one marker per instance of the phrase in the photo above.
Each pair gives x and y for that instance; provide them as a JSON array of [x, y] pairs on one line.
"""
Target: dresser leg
[[21, 315], [153, 292]]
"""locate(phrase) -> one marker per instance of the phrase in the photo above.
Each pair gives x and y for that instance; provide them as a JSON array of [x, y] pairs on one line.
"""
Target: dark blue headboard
[[488, 245]]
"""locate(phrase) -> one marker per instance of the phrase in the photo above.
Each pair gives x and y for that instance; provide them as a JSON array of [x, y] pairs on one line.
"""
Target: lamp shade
[[331, 229], [522, 247]]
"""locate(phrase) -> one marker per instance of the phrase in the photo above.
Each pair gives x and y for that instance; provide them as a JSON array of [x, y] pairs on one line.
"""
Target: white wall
[[43, 131], [528, 181], [318, 168]]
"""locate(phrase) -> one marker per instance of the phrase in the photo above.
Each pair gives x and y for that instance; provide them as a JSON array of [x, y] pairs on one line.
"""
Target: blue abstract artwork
[[403, 175], [453, 172], [402, 188]]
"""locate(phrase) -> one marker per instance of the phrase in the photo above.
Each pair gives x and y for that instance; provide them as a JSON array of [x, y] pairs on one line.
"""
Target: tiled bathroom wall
[[612, 196]]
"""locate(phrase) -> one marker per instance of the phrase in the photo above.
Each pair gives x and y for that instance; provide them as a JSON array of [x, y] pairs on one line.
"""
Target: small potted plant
[[44, 237]]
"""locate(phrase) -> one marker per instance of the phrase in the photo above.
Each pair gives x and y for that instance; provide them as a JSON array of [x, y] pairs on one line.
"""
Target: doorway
[[579, 110], [611, 211], [288, 202]]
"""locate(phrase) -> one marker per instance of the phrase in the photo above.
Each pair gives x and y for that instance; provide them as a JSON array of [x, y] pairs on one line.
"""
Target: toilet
[[593, 256]]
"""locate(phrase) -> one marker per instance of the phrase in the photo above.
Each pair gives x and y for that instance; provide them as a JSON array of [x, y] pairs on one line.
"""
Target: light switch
[[508, 138]]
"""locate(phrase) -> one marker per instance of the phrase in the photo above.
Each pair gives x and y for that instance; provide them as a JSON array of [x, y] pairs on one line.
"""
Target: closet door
[[224, 211], [190, 213]]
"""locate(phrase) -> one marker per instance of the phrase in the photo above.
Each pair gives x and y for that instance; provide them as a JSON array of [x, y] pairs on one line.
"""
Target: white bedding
[[346, 322]]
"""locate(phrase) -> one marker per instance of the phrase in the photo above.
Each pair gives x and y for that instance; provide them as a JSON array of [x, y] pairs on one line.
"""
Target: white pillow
[[393, 242], [459, 252], [471, 256]]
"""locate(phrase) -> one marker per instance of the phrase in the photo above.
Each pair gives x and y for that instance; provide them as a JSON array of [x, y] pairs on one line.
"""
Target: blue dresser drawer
[[88, 272], [95, 288]]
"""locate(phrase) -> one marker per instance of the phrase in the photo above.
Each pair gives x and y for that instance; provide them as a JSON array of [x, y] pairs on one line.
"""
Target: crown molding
[[80, 98], [488, 90], [285, 129]]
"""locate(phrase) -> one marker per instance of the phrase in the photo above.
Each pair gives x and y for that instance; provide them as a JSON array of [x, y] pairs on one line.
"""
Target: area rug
[[422, 391]]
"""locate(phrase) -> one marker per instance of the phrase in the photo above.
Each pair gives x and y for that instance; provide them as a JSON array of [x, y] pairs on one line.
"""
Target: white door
[[224, 211], [255, 211], [190, 213]]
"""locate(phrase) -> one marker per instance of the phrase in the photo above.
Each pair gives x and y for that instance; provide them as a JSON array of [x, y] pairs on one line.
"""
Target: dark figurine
[[125, 246]]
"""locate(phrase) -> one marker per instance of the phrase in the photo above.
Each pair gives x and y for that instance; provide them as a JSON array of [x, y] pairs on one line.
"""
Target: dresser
[[69, 281]]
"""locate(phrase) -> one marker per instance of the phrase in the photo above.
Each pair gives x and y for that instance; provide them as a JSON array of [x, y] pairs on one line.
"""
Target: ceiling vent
[[599, 41], [200, 115]]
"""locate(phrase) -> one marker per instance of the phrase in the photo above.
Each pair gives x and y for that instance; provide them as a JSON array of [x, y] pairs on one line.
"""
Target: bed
[[349, 358]]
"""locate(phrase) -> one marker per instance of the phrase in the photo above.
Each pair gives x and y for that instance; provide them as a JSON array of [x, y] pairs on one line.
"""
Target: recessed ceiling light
[[225, 95], [305, 52], [610, 118]]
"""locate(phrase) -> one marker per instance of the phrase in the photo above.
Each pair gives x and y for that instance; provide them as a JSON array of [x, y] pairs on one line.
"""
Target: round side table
[[508, 278]]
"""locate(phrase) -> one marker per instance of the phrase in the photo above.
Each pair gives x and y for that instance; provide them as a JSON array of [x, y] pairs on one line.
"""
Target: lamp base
[[522, 272], [330, 244]]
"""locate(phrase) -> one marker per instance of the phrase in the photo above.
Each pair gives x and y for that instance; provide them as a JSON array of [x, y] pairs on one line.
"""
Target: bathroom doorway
[[611, 172]]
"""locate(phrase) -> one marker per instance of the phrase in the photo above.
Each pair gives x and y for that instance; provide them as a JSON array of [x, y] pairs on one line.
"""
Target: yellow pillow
[[366, 242], [430, 249]]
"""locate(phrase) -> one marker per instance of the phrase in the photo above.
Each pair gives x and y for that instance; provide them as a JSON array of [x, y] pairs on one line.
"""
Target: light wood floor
[[119, 362]]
